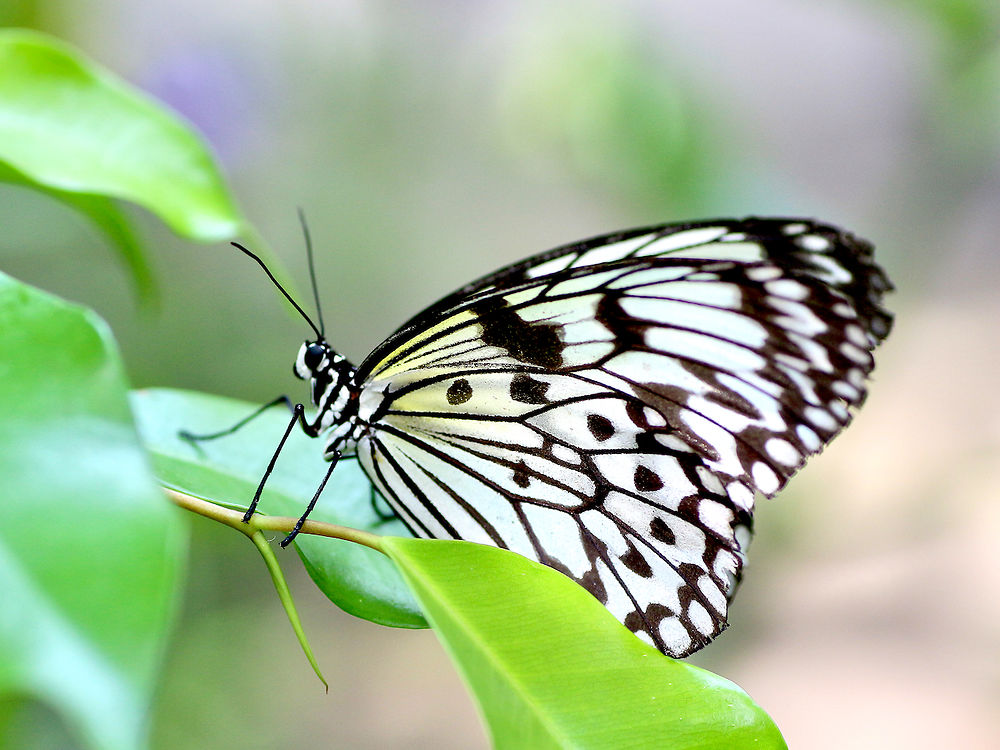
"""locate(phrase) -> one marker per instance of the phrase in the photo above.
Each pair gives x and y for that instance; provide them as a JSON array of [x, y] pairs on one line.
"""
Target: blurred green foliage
[[587, 93], [88, 603]]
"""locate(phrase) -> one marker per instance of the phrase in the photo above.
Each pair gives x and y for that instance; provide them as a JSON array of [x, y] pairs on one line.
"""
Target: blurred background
[[431, 142]]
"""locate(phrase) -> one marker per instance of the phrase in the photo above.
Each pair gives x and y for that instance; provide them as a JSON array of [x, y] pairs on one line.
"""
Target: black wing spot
[[690, 572], [635, 562], [527, 390], [591, 580], [600, 427], [634, 622], [532, 342], [521, 477], [646, 480], [459, 392], [659, 530]]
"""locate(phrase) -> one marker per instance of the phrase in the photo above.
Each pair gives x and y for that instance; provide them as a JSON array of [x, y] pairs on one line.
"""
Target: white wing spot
[[782, 451], [582, 284], [725, 323], [791, 229], [674, 443], [846, 390], [813, 242], [653, 417], [743, 537], [675, 635], [765, 478], [845, 311], [740, 494], [799, 317], [856, 335], [854, 353], [608, 532], [711, 591], [709, 480], [700, 618], [585, 331], [763, 273], [806, 386], [838, 410], [835, 273], [724, 565], [818, 356], [820, 417], [796, 363], [715, 517], [810, 440], [788, 288]]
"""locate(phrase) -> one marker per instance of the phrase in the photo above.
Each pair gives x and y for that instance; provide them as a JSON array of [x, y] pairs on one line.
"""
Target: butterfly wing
[[801, 242], [610, 408]]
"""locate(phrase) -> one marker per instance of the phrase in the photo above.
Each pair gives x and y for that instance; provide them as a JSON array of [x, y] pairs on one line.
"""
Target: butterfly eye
[[313, 356]]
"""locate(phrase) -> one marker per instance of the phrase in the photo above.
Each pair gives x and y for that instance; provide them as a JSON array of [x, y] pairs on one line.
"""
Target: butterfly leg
[[297, 412], [312, 503], [192, 438]]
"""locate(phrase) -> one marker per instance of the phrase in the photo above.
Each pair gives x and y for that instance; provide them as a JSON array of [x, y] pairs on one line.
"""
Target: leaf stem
[[285, 596], [254, 528], [234, 519]]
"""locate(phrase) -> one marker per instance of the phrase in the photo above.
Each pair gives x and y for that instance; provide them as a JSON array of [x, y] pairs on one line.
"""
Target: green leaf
[[90, 551], [108, 217], [68, 126], [551, 668], [226, 471]]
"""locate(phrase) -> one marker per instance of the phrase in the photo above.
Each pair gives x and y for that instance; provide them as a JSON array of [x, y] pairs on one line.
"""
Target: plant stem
[[254, 528], [234, 519], [285, 595]]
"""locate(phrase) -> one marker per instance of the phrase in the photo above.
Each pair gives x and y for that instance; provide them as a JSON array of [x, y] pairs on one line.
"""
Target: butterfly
[[611, 408]]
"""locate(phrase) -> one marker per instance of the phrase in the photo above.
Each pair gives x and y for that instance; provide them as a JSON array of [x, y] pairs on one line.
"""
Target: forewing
[[610, 408], [735, 239]]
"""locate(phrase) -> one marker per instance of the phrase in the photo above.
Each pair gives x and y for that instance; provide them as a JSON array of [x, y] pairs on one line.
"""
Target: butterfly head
[[314, 357], [333, 389], [330, 376]]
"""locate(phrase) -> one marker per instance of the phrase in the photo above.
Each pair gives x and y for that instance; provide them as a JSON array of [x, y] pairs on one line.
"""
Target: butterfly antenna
[[319, 333], [312, 269]]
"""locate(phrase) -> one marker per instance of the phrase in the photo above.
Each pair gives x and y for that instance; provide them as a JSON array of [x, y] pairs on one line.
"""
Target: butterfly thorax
[[334, 391]]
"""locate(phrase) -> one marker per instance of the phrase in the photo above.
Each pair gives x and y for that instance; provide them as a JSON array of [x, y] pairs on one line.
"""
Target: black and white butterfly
[[611, 408]]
